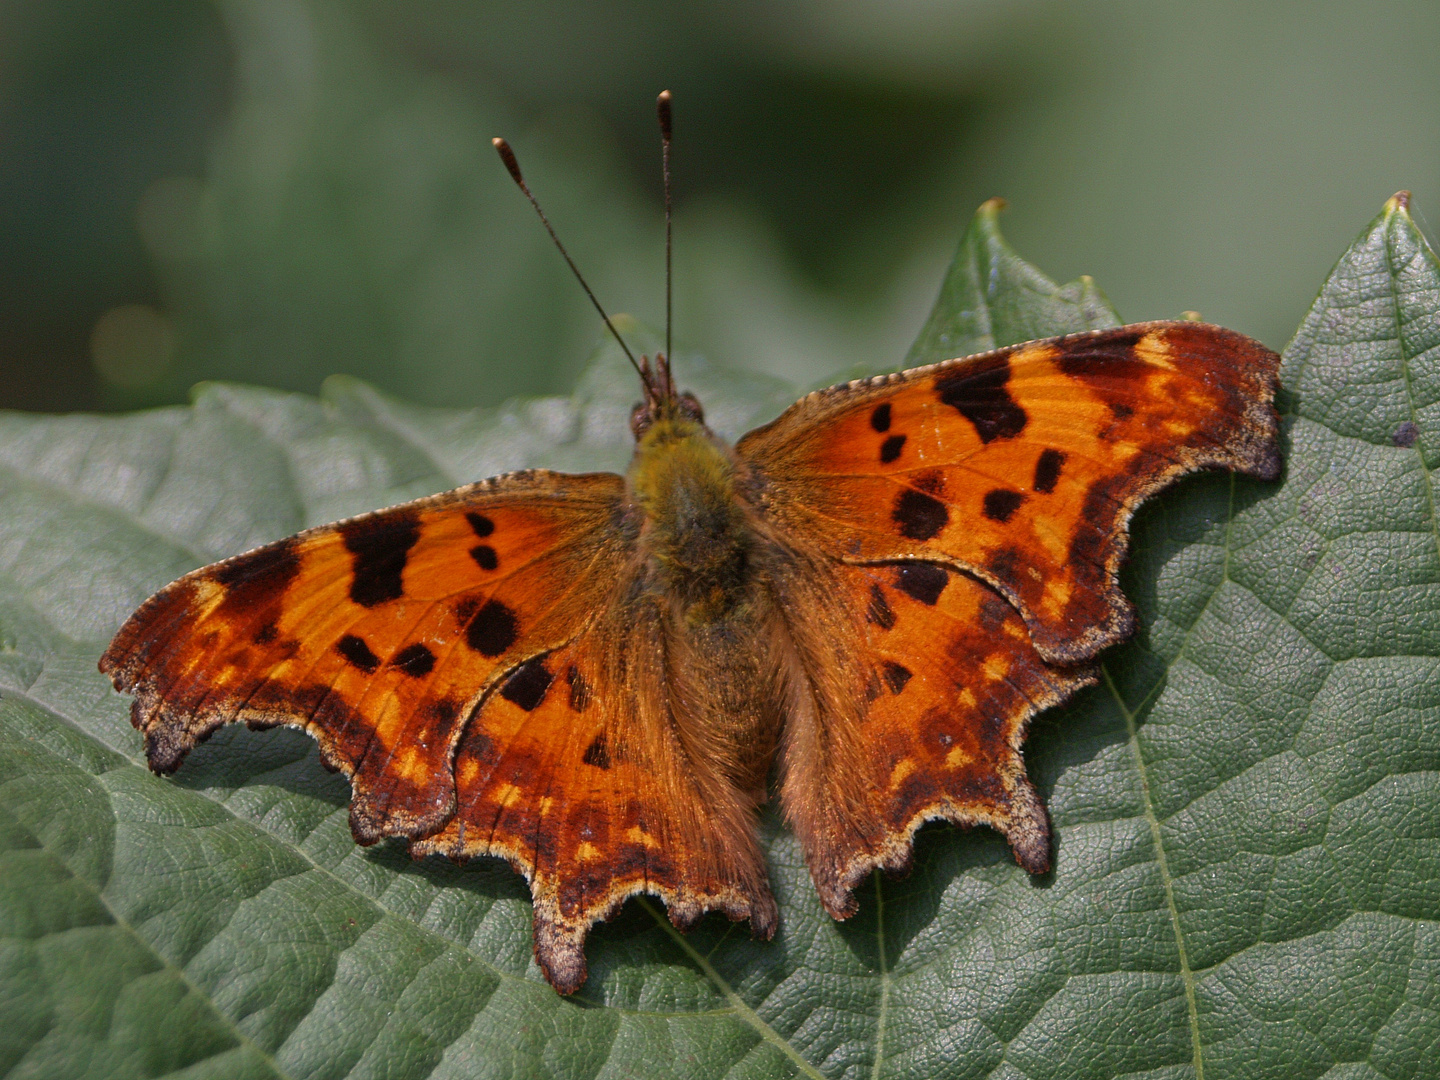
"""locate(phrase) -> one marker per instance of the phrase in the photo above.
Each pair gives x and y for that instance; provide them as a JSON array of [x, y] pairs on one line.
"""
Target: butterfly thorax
[[683, 479]]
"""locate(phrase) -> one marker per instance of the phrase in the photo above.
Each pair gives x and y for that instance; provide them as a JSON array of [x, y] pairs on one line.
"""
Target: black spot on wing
[[880, 418], [357, 653], [879, 611], [485, 556], [920, 516], [441, 717], [1090, 545], [481, 524], [891, 447], [492, 629], [1085, 355], [597, 753], [475, 744], [414, 660], [260, 577], [922, 581], [896, 676], [1000, 504], [579, 689], [978, 392], [266, 634], [527, 685], [993, 613], [380, 545], [443, 712], [1047, 471]]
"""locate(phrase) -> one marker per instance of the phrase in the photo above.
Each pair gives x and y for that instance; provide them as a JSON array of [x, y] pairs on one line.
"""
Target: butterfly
[[592, 676]]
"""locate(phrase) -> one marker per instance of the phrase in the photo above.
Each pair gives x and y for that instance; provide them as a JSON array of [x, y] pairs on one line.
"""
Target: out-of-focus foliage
[[278, 190]]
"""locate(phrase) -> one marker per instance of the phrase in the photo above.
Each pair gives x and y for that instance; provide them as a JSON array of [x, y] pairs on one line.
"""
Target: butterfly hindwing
[[574, 770], [938, 682], [1022, 466]]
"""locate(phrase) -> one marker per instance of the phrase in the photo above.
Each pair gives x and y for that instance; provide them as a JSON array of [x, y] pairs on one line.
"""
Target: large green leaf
[[1247, 876]]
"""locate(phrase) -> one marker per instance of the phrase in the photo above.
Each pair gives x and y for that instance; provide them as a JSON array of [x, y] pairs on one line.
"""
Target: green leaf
[[1247, 878], [991, 298]]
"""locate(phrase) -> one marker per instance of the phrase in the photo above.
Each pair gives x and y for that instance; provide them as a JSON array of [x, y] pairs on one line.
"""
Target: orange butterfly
[[591, 676]]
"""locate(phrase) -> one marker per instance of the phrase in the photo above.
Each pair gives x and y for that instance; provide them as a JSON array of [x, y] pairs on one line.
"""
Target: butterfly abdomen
[[695, 530]]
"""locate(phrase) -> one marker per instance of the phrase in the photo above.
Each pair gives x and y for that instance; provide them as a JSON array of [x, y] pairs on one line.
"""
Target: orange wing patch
[[378, 635], [951, 682], [1022, 466], [572, 771]]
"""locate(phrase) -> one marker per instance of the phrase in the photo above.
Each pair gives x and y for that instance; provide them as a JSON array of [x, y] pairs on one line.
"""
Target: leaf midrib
[[1162, 863], [1405, 362], [885, 978], [740, 1009]]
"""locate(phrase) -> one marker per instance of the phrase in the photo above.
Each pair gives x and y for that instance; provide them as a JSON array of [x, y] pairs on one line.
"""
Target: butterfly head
[[661, 402]]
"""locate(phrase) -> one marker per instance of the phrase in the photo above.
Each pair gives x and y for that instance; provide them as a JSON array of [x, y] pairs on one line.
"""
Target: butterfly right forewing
[[1022, 466]]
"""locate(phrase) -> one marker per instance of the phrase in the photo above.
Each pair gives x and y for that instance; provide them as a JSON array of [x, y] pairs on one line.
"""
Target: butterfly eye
[[640, 419], [690, 408]]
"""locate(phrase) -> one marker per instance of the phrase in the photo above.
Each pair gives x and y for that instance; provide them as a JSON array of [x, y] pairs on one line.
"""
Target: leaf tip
[[1399, 201], [992, 206]]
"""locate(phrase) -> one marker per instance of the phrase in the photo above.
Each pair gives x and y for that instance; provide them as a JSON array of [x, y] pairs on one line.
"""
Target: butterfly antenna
[[508, 157], [662, 109]]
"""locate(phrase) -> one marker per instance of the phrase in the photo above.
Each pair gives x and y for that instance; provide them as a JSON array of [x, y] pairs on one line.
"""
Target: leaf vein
[[1186, 975], [742, 1010]]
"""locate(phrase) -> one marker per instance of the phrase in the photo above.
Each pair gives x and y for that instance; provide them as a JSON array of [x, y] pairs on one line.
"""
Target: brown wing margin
[[1022, 466]]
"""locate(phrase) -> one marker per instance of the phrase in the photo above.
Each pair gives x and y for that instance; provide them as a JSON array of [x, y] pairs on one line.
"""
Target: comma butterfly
[[591, 675]]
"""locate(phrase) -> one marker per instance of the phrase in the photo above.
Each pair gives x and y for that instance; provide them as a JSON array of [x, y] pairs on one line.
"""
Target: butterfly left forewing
[[377, 635]]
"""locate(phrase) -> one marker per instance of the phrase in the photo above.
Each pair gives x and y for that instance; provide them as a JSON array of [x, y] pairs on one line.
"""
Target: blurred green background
[[277, 190]]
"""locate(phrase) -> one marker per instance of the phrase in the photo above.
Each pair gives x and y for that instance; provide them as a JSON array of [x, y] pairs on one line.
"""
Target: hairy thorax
[[706, 573], [695, 530]]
